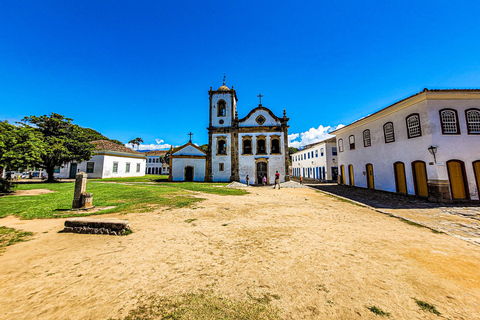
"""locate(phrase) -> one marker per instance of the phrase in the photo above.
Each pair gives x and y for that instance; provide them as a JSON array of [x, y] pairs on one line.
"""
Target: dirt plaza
[[320, 256]]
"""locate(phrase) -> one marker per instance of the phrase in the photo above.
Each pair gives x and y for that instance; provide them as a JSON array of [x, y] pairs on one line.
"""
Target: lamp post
[[433, 151]]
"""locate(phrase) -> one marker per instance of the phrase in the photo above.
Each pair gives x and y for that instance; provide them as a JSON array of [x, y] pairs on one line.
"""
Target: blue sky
[[143, 68]]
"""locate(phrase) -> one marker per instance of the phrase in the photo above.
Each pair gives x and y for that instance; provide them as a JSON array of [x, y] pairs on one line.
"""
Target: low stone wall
[[113, 227]]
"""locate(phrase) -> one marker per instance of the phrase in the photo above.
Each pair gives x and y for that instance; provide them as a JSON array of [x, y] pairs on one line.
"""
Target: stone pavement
[[461, 220]]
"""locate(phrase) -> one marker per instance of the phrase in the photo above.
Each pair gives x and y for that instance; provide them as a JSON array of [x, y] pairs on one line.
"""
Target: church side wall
[[226, 159], [179, 164]]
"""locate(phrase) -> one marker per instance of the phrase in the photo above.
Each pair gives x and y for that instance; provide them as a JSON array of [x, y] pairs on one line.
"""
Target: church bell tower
[[223, 106]]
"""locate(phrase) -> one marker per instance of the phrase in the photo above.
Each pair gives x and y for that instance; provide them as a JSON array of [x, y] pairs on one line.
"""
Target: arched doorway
[[342, 174], [420, 178], [476, 170], [351, 181], [400, 177], [370, 179], [188, 173], [458, 181], [262, 171]]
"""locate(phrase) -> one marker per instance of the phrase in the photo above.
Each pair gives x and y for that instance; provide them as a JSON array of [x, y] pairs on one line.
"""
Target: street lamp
[[433, 151]]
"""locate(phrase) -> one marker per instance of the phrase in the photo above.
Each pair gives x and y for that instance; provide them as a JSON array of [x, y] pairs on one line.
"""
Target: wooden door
[[476, 169], [457, 179], [370, 179], [73, 171], [420, 178], [350, 175], [342, 172], [400, 177], [262, 172]]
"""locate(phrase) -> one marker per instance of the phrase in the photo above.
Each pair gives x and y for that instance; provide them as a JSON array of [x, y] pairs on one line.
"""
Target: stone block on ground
[[97, 226]]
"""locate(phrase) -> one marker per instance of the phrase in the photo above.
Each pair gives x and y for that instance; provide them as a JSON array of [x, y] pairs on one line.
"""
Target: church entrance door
[[261, 172], [188, 173]]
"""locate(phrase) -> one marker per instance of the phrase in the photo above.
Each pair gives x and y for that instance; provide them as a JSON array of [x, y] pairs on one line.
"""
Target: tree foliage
[[20, 146], [93, 135], [63, 141], [136, 142]]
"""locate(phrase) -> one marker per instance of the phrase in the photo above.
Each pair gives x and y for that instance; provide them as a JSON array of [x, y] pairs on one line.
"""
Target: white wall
[[226, 159], [179, 164], [383, 155], [250, 122], [228, 114], [247, 163], [326, 161], [103, 167], [162, 167]]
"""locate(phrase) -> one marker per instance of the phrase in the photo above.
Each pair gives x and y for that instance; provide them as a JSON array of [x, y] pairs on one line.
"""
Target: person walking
[[301, 180], [264, 180], [248, 180], [277, 180]]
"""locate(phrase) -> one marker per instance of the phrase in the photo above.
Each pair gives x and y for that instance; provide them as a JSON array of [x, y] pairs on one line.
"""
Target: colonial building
[[255, 145], [154, 164], [188, 163], [317, 161], [427, 145], [110, 160]]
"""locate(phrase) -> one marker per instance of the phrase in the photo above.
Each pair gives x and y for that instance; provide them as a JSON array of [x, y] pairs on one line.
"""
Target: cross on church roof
[[190, 134], [260, 96]]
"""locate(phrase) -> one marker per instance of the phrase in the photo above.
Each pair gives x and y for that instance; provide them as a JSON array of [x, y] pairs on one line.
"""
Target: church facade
[[256, 145]]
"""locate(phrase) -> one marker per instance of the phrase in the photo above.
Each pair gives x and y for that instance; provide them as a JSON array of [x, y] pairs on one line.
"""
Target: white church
[[256, 145]]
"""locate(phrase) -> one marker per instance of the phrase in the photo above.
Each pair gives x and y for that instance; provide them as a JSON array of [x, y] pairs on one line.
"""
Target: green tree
[[136, 142], [20, 147], [204, 147], [64, 142]]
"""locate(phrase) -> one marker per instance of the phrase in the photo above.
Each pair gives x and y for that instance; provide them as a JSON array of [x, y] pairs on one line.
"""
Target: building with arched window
[[256, 145], [316, 161], [425, 145]]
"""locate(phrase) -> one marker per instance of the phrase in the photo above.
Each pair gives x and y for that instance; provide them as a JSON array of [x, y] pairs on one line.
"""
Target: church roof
[[156, 153], [223, 88], [111, 146]]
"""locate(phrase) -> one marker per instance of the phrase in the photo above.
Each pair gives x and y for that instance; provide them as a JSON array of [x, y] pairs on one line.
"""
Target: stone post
[[80, 187]]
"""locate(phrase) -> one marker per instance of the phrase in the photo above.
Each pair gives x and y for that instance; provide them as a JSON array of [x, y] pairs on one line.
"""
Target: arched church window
[[247, 145], [221, 108], [275, 144], [388, 132], [221, 147], [261, 145]]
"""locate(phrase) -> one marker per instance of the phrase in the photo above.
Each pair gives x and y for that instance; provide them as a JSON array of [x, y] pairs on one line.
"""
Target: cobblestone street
[[459, 220]]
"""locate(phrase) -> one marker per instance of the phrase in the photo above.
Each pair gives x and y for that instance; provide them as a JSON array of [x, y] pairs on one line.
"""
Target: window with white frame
[[90, 167], [351, 141], [321, 152], [388, 132], [127, 167], [449, 120], [115, 167], [334, 151], [367, 141], [413, 126], [473, 121], [340, 145], [138, 167]]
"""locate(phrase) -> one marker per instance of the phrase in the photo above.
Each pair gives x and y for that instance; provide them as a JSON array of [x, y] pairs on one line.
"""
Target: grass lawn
[[145, 178], [125, 196]]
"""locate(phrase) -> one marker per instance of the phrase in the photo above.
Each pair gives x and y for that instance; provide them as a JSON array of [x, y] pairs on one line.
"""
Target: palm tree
[[136, 142]]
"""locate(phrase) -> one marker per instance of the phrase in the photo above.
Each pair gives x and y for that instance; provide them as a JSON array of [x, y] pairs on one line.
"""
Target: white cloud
[[311, 136], [160, 145]]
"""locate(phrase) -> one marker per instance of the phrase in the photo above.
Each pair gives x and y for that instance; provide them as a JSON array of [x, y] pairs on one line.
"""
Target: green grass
[[139, 197], [425, 306], [202, 306], [378, 311], [9, 236]]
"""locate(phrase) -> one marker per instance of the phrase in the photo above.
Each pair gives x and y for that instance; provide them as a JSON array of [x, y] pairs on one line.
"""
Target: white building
[[154, 163], [110, 160], [427, 145], [316, 161], [255, 145], [188, 163]]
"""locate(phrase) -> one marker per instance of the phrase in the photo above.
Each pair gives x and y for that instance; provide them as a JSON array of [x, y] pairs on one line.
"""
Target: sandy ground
[[32, 192], [325, 258]]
